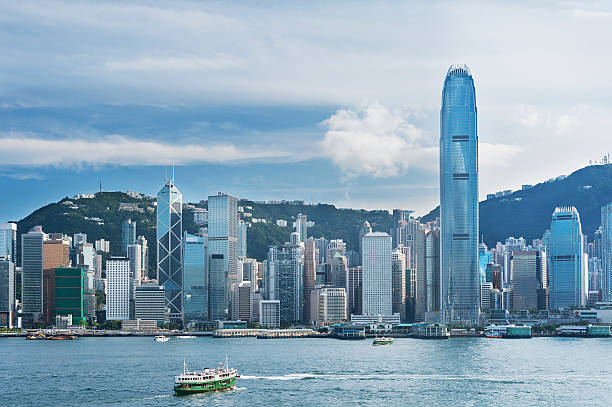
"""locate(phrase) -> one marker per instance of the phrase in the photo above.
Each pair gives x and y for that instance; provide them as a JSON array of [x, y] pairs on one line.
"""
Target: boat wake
[[294, 376]]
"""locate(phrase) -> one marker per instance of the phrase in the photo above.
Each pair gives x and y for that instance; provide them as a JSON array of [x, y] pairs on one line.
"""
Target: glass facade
[[223, 252], [8, 241], [459, 198], [32, 272], [128, 234], [604, 249], [568, 274], [195, 283], [170, 248]]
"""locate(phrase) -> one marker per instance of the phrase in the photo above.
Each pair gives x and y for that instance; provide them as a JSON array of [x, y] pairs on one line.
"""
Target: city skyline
[[255, 134]]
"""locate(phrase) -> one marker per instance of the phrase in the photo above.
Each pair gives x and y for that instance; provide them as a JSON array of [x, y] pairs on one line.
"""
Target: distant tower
[[170, 248], [568, 271], [365, 229], [459, 198], [377, 275]]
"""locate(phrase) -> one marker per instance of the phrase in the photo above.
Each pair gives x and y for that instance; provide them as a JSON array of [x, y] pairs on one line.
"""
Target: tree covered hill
[[101, 217], [528, 213]]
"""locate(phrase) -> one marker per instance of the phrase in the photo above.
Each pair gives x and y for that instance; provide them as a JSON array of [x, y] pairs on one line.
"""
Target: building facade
[[32, 271], [459, 198], [128, 234], [149, 303], [195, 272], [8, 241], [377, 275], [568, 272], [119, 288], [170, 248], [223, 252]]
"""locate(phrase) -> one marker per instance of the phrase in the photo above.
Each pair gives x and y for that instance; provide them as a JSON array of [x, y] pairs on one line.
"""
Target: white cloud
[[376, 141], [566, 123], [176, 64], [23, 150], [529, 115]]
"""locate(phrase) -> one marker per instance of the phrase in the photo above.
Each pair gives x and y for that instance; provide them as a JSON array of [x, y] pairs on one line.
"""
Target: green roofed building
[[69, 293]]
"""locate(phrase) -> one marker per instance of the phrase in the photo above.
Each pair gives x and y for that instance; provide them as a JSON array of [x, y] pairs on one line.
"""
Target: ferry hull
[[219, 385]]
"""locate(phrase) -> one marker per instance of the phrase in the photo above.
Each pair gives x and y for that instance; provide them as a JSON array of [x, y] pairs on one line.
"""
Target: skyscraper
[[128, 234], [398, 267], [310, 278], [301, 227], [459, 198], [364, 230], [223, 252], [7, 292], [8, 241], [528, 279], [119, 288], [32, 271], [605, 250], [170, 248], [242, 239], [377, 275], [195, 287], [287, 265], [568, 273]]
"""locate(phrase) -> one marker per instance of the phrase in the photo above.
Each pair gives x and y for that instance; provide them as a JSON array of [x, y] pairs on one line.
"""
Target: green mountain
[[101, 217], [528, 213], [525, 213]]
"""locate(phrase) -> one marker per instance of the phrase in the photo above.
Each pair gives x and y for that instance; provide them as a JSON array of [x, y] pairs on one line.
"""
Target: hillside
[[101, 217], [528, 213]]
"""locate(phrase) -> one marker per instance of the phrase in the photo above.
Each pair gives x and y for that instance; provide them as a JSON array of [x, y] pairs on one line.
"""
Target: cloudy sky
[[322, 101]]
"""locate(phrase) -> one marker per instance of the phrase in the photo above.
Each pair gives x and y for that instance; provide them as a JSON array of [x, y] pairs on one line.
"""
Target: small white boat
[[161, 338], [186, 336]]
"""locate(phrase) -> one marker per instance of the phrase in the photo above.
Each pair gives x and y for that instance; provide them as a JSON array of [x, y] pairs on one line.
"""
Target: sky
[[334, 102]]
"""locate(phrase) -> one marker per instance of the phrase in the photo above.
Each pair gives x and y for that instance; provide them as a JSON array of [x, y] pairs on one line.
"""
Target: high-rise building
[[119, 287], [568, 272], [56, 252], [321, 245], [310, 277], [242, 238], [144, 252], [134, 254], [149, 303], [241, 303], [269, 313], [32, 271], [287, 265], [69, 293], [102, 245], [354, 287], [329, 305], [170, 247], [605, 251], [377, 275], [48, 315], [398, 269], [432, 266], [528, 280], [128, 234], [195, 272], [223, 253], [7, 291], [338, 270], [459, 198], [8, 241], [301, 227]]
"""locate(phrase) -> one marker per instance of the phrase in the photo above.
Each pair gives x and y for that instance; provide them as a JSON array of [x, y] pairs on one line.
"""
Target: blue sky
[[322, 101]]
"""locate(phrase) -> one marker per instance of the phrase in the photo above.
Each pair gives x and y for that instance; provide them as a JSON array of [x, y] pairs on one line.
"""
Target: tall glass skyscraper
[[170, 248], [128, 234], [568, 272], [223, 252], [605, 251], [8, 241], [195, 283], [459, 198], [32, 271]]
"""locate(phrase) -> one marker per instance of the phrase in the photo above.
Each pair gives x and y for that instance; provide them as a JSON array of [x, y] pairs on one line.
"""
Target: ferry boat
[[508, 331], [207, 380], [185, 336], [382, 340], [161, 338]]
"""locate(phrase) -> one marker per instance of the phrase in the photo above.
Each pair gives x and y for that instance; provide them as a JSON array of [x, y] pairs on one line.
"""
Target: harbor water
[[137, 371]]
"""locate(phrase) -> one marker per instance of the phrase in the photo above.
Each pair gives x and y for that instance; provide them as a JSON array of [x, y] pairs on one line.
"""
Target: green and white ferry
[[207, 380], [382, 340]]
